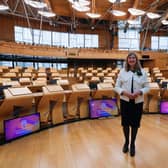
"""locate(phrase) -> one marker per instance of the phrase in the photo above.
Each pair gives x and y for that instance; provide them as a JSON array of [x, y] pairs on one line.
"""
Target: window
[[6, 63], [73, 40], [60, 66], [91, 41], [129, 40], [25, 64], [80, 40], [163, 43], [27, 35], [46, 38], [159, 42], [95, 41], [155, 43], [36, 36], [64, 39], [18, 34], [44, 65], [56, 39]]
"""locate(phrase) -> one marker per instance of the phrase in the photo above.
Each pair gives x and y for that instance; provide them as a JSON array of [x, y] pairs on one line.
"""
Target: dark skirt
[[131, 113]]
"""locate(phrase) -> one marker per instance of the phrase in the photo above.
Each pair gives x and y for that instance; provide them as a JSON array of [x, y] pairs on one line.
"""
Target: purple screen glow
[[102, 108], [21, 126], [164, 107]]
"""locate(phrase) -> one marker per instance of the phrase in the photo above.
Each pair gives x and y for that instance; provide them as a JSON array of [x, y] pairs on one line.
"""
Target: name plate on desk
[[63, 82], [105, 86], [82, 86], [54, 88], [19, 91], [154, 85]]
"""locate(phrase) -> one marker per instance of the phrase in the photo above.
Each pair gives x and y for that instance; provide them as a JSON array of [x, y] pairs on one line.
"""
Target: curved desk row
[[54, 103], [57, 105]]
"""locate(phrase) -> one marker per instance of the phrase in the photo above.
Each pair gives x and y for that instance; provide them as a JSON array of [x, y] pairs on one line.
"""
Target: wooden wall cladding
[[155, 58]]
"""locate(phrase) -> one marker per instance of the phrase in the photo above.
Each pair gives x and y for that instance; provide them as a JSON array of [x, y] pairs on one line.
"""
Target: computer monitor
[[158, 80], [164, 84], [102, 107], [53, 81], [21, 126], [93, 85], [1, 90], [164, 107]]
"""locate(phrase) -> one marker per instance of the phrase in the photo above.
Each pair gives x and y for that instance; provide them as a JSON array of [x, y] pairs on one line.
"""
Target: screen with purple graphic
[[102, 107], [164, 107], [21, 126]]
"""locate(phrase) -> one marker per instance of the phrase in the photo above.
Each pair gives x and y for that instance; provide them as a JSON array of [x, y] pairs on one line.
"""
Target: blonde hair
[[137, 65]]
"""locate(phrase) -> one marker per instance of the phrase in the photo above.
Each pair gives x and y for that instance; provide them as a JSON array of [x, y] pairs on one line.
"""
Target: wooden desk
[[50, 104], [21, 101], [81, 95]]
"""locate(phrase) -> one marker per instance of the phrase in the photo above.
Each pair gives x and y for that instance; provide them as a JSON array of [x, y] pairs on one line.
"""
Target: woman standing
[[131, 84]]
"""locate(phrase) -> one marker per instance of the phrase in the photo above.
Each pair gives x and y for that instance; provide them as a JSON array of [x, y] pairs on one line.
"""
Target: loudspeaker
[[146, 56]]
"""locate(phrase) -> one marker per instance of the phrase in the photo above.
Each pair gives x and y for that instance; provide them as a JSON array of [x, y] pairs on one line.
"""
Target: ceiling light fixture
[[46, 14], [35, 4], [81, 8], [153, 15], [93, 14], [164, 22], [136, 12], [3, 7], [117, 1], [80, 2], [118, 13]]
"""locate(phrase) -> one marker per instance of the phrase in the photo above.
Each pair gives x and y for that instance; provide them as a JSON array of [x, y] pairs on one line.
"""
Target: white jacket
[[124, 82]]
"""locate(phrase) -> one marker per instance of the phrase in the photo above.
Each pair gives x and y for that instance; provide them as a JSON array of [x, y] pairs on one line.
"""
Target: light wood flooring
[[90, 144]]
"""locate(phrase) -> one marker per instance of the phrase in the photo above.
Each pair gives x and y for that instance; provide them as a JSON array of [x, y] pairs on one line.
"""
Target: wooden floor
[[90, 144]]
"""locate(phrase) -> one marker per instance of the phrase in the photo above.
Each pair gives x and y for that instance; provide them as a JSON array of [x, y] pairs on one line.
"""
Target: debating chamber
[[60, 68]]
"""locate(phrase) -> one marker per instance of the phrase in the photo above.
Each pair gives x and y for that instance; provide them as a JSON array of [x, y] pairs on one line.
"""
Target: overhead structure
[[104, 12]]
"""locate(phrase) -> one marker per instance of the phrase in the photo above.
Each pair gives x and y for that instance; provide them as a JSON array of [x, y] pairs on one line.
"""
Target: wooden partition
[[19, 98], [50, 105], [82, 92]]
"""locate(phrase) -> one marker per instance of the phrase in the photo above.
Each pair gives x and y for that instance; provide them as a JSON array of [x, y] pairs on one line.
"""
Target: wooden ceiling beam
[[49, 5], [159, 23], [131, 17]]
